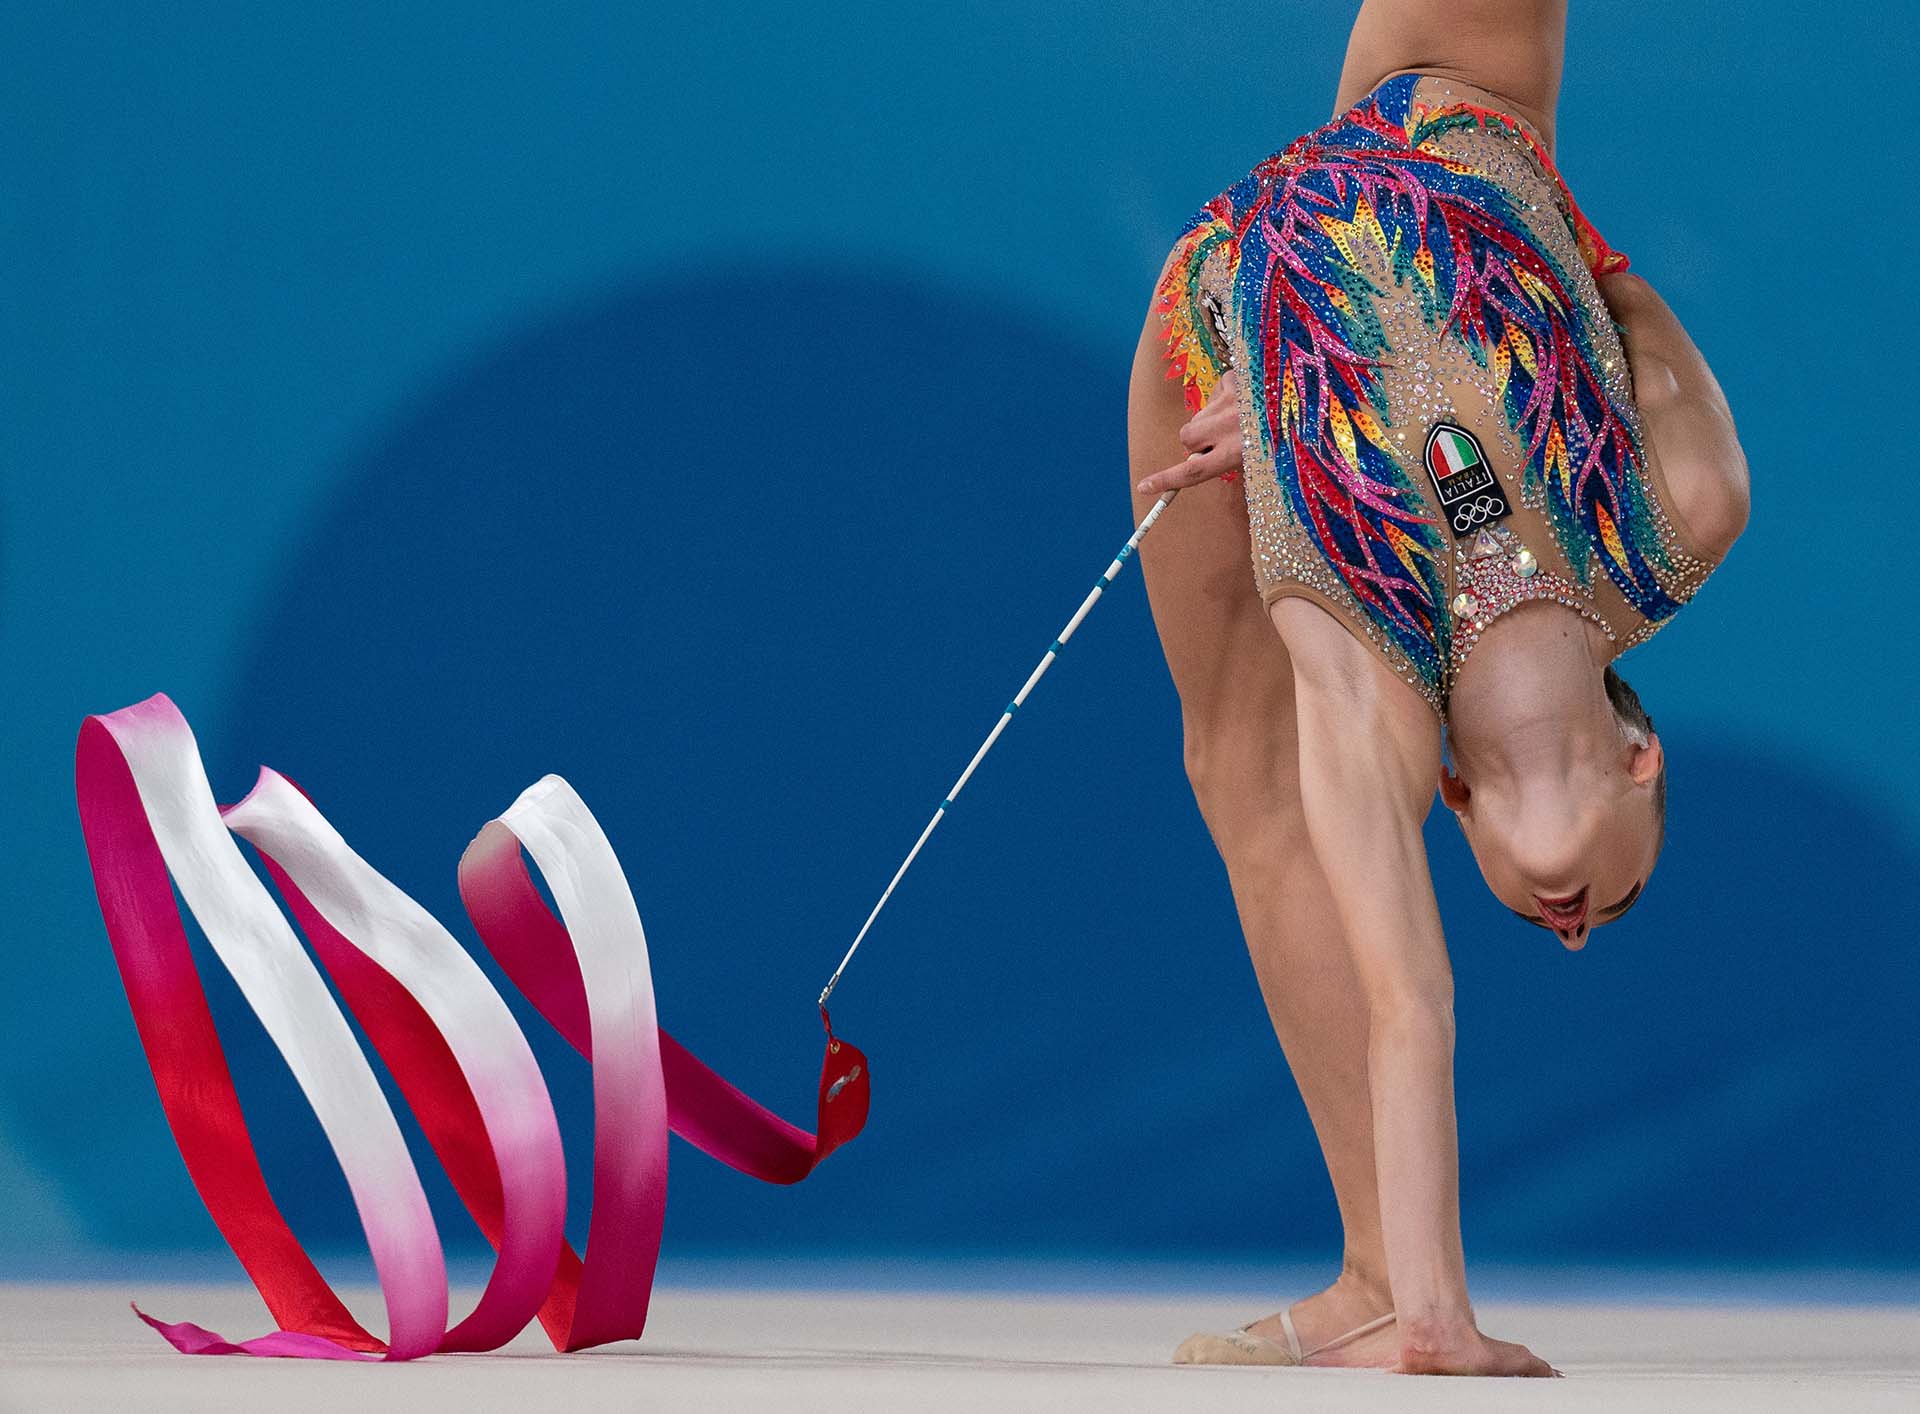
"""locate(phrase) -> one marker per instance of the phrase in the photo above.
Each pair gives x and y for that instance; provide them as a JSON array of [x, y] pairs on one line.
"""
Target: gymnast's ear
[[1647, 762], [1453, 790]]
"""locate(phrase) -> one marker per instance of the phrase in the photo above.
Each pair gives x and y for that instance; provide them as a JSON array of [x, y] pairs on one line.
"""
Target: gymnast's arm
[[1514, 48], [1684, 418], [1369, 756]]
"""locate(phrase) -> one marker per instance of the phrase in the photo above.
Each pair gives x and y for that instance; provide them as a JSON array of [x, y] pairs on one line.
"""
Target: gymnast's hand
[[1212, 439]]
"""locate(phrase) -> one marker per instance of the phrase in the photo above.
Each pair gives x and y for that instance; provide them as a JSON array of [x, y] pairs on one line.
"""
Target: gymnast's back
[[1437, 417]]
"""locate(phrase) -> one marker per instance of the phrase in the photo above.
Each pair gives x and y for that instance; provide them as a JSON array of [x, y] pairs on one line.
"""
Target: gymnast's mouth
[[1568, 912]]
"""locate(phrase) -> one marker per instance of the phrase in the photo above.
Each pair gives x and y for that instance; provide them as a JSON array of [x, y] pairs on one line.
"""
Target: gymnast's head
[[1567, 836]]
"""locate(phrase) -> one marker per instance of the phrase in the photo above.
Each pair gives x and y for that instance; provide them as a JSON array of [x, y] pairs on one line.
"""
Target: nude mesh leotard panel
[[1417, 264]]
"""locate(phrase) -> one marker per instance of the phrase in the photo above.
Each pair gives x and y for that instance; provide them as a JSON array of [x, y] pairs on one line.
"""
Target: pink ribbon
[[444, 1034]]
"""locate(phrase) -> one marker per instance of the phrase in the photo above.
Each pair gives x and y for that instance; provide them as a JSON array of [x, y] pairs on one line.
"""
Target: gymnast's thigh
[[1229, 666]]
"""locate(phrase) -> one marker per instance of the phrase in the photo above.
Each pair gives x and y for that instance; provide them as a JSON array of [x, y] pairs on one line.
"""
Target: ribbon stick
[[457, 1056], [1107, 576]]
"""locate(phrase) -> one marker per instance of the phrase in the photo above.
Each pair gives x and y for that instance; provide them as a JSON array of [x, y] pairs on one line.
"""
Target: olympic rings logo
[[1481, 508]]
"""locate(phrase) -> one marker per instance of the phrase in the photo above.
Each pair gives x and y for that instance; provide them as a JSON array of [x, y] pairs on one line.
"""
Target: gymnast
[[1407, 382]]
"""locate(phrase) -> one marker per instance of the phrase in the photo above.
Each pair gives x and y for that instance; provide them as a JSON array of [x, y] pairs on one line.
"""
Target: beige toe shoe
[[1243, 1347]]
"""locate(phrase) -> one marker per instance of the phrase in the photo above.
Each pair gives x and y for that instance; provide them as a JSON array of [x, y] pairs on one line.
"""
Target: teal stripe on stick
[[946, 803]]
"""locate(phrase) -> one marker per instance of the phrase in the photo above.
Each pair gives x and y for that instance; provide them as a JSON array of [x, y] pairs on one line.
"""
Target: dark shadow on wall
[[753, 557]]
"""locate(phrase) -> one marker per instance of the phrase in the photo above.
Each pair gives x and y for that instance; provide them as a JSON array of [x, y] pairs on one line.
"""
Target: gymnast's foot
[[1351, 1302]]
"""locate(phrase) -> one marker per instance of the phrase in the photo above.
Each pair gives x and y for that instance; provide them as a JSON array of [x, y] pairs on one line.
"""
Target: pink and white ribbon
[[444, 1034]]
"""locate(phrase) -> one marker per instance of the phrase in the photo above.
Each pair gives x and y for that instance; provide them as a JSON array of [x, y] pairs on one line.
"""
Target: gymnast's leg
[[1242, 758]]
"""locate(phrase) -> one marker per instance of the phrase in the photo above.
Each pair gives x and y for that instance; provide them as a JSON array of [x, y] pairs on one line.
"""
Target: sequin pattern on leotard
[[1392, 231]]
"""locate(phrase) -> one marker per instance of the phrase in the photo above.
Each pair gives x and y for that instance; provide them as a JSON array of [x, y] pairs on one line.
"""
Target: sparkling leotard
[[1437, 419]]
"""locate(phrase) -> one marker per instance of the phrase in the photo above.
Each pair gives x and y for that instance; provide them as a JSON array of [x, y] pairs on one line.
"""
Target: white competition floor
[[77, 1346]]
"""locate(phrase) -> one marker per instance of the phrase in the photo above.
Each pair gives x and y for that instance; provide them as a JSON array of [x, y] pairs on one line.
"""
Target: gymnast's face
[[1568, 853]]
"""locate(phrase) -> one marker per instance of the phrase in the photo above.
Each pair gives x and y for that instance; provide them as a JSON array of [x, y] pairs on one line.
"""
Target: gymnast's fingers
[[1215, 422], [1196, 468]]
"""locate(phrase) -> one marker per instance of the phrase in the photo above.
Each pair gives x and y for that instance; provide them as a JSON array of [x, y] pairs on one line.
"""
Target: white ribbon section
[[258, 947]]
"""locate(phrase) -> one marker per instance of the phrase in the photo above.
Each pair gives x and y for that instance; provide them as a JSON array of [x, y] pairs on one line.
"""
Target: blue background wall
[[723, 410]]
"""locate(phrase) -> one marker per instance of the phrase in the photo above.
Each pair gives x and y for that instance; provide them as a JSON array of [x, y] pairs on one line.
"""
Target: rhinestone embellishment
[[1491, 584], [1428, 372]]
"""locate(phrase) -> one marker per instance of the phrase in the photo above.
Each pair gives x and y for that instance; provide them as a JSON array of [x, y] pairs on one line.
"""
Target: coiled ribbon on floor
[[445, 1035]]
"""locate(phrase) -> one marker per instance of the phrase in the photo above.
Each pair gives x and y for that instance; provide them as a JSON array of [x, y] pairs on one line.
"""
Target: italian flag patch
[[1469, 492], [1456, 450]]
